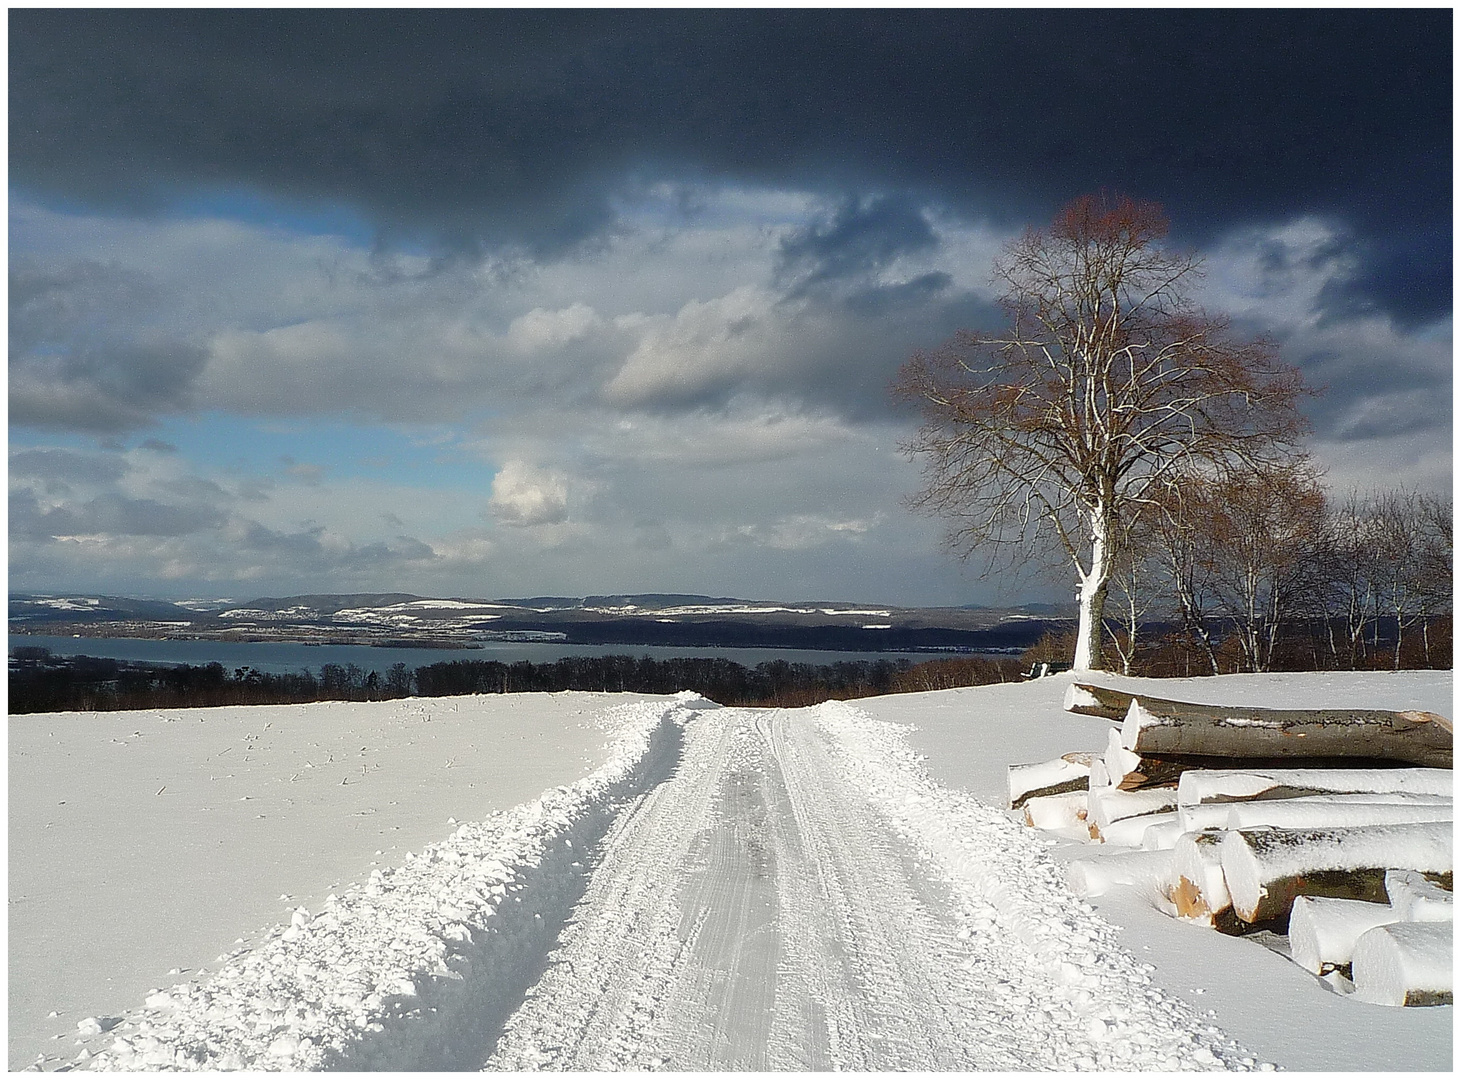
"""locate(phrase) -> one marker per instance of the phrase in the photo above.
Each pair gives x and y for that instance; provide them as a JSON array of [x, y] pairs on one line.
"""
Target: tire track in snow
[[800, 896]]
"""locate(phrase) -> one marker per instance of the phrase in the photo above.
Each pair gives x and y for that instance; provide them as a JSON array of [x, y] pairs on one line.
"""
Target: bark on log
[[1236, 785], [1404, 964], [1047, 778], [1155, 726], [1264, 869], [1323, 929], [1091, 700]]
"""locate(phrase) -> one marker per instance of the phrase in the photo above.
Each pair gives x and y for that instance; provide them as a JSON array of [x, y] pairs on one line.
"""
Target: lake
[[281, 657]]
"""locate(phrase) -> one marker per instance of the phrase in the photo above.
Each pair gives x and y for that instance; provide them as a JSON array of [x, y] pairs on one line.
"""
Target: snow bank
[[423, 957]]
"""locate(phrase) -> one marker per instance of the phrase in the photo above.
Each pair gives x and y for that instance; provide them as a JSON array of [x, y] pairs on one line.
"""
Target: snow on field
[[142, 842], [846, 864]]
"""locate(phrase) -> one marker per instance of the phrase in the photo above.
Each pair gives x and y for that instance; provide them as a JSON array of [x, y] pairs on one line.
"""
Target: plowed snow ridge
[[736, 889]]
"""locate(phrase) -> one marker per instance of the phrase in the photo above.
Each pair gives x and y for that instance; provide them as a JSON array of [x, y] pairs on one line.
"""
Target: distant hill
[[629, 619]]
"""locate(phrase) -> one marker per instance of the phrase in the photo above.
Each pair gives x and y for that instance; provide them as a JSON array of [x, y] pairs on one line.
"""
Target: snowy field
[[588, 881]]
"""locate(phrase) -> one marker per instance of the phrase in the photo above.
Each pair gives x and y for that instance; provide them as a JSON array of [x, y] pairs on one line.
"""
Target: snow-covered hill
[[598, 881]]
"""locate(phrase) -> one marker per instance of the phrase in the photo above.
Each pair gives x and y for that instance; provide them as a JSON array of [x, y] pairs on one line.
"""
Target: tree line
[[40, 682], [1264, 571]]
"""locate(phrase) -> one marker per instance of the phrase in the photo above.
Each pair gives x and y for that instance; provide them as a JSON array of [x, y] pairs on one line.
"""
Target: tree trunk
[[1156, 727], [1092, 596], [1265, 869]]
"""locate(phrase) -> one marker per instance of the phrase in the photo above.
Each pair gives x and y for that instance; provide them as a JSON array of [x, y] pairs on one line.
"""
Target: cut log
[[1096, 875], [1056, 811], [1291, 813], [1131, 831], [1146, 770], [1157, 726], [1162, 835], [1091, 700], [1416, 899], [1316, 813], [1323, 929], [1110, 805], [1197, 886], [1046, 778], [1234, 785], [1266, 868], [1404, 964]]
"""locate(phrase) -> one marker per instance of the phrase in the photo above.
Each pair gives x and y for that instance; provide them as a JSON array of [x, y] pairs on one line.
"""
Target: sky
[[509, 303]]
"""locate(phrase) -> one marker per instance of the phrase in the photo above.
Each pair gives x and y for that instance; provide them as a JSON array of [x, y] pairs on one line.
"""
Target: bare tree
[[1108, 385], [1266, 528]]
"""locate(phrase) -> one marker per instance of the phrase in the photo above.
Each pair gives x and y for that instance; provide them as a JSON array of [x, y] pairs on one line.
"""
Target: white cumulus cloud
[[523, 494]]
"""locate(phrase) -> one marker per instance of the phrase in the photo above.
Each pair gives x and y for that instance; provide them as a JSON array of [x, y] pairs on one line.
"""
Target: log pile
[[1330, 826]]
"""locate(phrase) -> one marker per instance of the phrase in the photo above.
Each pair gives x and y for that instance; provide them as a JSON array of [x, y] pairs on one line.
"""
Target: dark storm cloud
[[78, 359], [860, 239], [469, 129], [108, 514], [47, 464]]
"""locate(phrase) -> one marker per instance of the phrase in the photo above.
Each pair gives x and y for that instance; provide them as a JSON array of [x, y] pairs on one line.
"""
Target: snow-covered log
[[1048, 778], [1157, 726], [1231, 785], [1416, 899], [1317, 813], [1404, 964], [1096, 875], [1131, 831], [1323, 929], [1110, 805], [1163, 835], [1197, 886], [1291, 813], [1266, 868], [1091, 700], [1056, 811]]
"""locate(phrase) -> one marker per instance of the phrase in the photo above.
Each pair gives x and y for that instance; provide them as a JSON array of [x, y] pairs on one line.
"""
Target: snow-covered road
[[762, 909], [733, 889]]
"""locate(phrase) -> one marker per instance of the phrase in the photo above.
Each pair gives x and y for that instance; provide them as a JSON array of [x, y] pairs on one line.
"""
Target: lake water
[[280, 657]]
